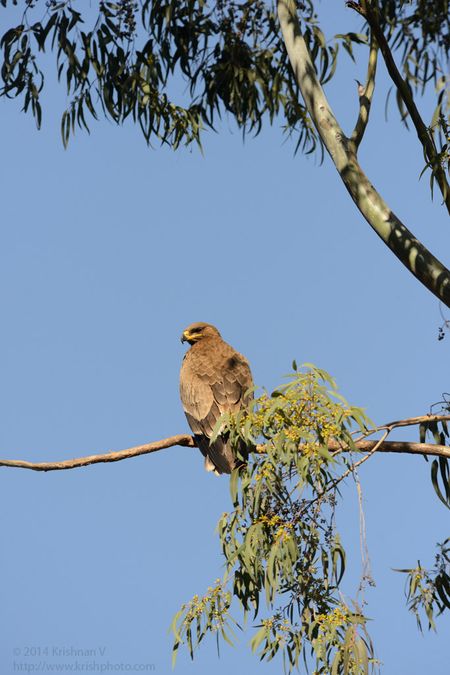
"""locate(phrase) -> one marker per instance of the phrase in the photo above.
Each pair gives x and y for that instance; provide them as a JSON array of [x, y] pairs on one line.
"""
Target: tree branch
[[409, 250], [365, 99], [399, 446], [187, 441], [366, 10], [182, 439], [413, 421]]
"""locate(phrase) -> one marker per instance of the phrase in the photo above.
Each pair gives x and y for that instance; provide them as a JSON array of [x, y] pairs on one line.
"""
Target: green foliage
[[440, 468], [421, 30], [129, 55], [428, 591], [284, 557], [203, 615], [132, 59]]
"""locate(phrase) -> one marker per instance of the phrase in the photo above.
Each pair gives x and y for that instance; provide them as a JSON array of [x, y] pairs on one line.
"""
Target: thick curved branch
[[430, 151], [366, 95], [409, 250]]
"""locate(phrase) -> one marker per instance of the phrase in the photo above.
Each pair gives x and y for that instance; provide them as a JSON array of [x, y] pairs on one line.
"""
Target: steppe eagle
[[214, 379]]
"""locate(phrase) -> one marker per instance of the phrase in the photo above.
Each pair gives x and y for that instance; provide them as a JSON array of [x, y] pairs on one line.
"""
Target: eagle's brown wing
[[214, 379]]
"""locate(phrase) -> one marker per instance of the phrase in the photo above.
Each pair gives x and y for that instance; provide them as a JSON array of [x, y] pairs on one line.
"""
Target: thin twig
[[376, 446], [366, 10], [408, 422], [412, 421], [366, 571], [366, 95], [332, 485]]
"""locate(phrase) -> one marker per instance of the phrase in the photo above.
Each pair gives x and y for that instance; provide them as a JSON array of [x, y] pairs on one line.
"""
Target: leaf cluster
[[428, 591], [284, 557], [420, 32], [176, 66], [440, 468], [201, 616], [132, 59]]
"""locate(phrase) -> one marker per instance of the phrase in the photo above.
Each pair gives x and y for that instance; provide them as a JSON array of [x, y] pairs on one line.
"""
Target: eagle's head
[[198, 331]]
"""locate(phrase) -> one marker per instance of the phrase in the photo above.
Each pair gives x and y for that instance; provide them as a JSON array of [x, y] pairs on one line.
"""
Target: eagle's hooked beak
[[185, 336]]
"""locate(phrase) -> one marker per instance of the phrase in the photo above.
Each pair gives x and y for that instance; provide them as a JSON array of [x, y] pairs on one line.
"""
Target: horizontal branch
[[400, 446], [188, 441], [182, 439]]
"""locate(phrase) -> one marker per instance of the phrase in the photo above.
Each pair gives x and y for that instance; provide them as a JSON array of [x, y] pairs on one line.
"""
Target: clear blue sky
[[108, 250]]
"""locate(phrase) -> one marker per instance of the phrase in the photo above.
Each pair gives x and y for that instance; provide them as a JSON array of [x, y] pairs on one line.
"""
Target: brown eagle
[[214, 379]]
